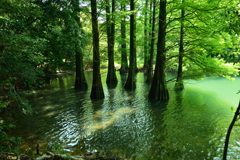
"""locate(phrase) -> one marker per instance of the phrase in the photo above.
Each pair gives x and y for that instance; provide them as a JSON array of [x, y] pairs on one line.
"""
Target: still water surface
[[192, 126]]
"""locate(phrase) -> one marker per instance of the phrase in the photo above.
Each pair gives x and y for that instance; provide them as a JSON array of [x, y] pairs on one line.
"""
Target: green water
[[192, 126]]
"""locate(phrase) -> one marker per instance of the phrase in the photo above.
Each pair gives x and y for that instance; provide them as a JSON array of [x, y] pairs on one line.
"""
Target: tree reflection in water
[[192, 125]]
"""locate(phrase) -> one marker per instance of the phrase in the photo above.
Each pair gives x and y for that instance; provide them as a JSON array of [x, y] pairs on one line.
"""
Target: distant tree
[[179, 82], [147, 14], [131, 79], [80, 81], [97, 89], [59, 27], [152, 42], [158, 90], [110, 20], [124, 60], [206, 42]]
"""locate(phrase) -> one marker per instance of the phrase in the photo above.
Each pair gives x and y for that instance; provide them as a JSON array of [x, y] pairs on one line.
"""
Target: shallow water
[[126, 124]]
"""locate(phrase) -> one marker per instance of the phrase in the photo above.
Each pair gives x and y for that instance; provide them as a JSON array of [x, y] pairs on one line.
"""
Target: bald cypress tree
[[97, 89], [111, 75], [179, 82], [149, 68], [124, 60], [131, 80], [147, 15], [80, 81], [158, 90]]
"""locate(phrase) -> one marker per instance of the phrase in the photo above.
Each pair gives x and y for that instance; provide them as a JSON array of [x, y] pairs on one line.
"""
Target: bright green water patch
[[224, 89], [125, 124]]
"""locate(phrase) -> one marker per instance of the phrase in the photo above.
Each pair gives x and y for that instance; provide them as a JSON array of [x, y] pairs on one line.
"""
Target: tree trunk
[[150, 60], [146, 40], [97, 89], [131, 80], [179, 82], [111, 75], [124, 61], [80, 81], [158, 90]]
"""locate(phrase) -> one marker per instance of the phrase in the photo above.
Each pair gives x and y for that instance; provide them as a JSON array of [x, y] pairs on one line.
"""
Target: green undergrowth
[[7, 144]]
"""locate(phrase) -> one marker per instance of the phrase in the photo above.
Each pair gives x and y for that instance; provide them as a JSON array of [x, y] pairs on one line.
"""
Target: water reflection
[[125, 124]]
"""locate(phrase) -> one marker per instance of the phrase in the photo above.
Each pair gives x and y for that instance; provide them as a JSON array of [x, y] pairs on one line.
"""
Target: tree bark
[[97, 89], [150, 60], [124, 60], [111, 75], [131, 80], [158, 90], [179, 82]]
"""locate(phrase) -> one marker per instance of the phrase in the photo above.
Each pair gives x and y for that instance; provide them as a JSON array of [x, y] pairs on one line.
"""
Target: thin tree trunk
[[111, 75], [229, 132], [150, 60], [131, 81], [97, 89], [145, 49], [124, 61], [158, 90], [179, 82]]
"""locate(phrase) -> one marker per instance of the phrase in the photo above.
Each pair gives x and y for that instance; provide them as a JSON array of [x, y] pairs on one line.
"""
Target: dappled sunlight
[[192, 124], [101, 120], [49, 108], [50, 114], [50, 111]]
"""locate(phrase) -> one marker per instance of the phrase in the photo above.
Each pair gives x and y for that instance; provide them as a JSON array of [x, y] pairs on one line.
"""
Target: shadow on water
[[192, 125]]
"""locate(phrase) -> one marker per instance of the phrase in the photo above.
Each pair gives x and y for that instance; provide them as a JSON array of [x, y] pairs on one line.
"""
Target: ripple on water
[[191, 126]]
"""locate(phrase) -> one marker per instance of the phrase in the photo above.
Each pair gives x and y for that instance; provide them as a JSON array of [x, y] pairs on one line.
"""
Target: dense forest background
[[41, 38]]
